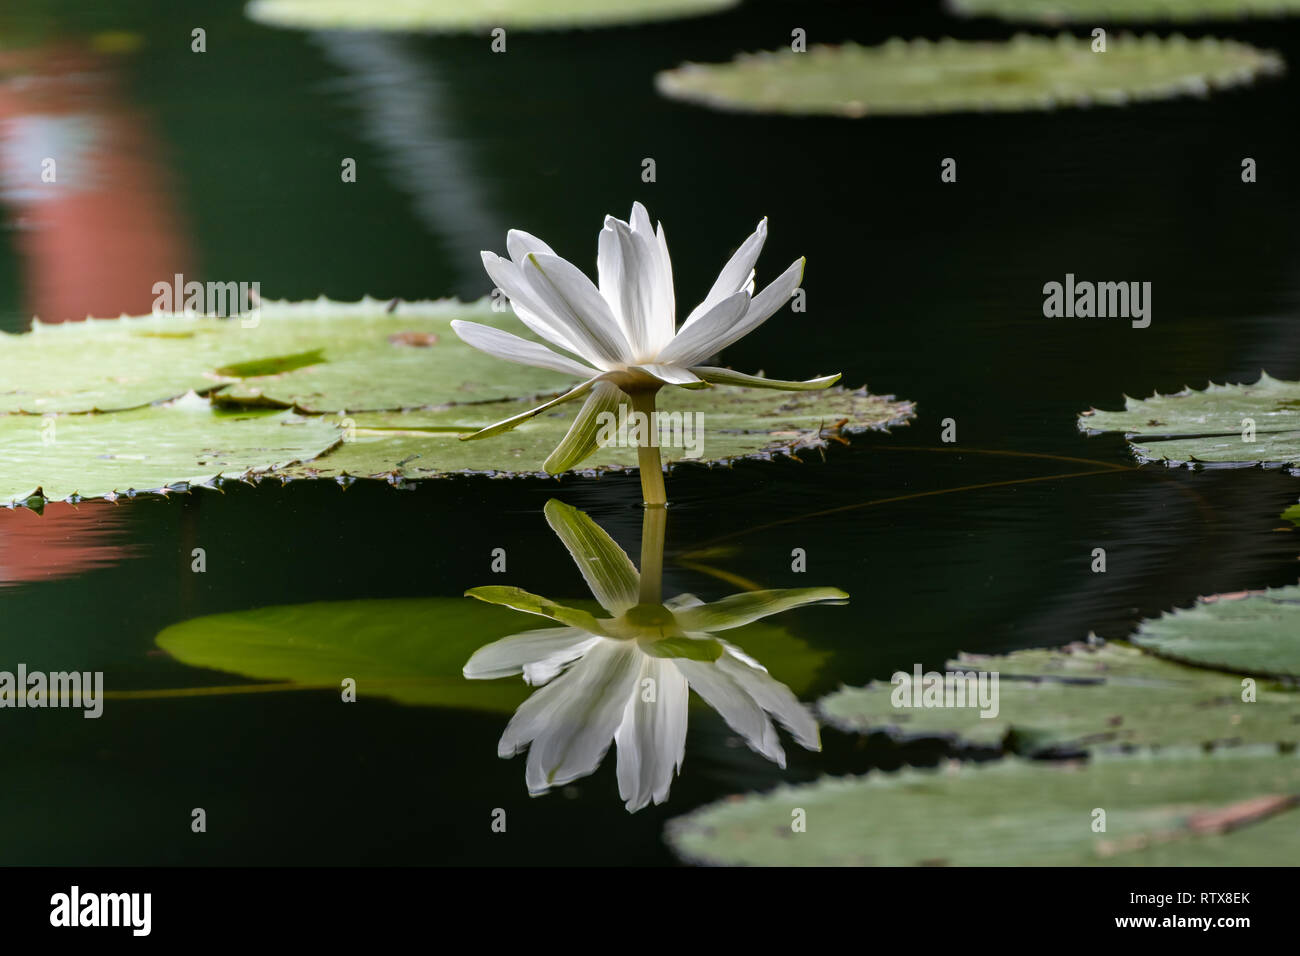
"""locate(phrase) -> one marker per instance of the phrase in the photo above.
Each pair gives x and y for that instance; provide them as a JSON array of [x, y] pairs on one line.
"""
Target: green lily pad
[[1210, 426], [185, 442], [472, 16], [320, 356], [381, 393], [1292, 515], [408, 650], [1083, 696], [738, 423], [920, 76], [1120, 11], [1252, 632], [1011, 812]]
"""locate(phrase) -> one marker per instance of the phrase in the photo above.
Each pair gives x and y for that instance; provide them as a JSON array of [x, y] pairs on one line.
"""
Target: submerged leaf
[[409, 650], [924, 77]]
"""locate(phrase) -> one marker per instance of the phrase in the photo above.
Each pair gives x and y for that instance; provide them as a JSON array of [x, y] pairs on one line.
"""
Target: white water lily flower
[[621, 335], [626, 678]]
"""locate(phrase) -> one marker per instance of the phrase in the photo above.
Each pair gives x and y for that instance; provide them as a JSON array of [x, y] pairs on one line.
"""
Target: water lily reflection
[[626, 677]]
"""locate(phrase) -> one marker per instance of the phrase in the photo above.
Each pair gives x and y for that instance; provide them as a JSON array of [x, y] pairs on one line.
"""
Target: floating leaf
[[1082, 696], [737, 423], [1223, 424], [924, 77], [320, 356], [1250, 632], [1012, 812], [472, 16], [185, 442], [363, 365], [409, 650], [1120, 11]]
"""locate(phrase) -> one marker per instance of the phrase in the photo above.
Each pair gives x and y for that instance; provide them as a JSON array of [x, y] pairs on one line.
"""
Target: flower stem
[[647, 453]]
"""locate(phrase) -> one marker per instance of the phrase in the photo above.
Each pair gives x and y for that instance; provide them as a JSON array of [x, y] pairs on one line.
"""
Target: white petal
[[672, 374], [569, 724], [509, 278], [736, 707], [511, 655], [665, 324], [652, 737], [512, 348], [761, 308], [773, 696], [519, 244], [629, 277], [692, 345], [539, 672], [736, 275], [572, 298], [640, 220], [682, 601]]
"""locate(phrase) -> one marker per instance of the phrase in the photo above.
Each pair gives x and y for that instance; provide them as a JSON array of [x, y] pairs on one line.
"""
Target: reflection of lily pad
[[1172, 805], [1254, 632], [1119, 11], [1083, 696], [448, 16], [408, 650], [1210, 426], [738, 423], [924, 77], [323, 356], [185, 442]]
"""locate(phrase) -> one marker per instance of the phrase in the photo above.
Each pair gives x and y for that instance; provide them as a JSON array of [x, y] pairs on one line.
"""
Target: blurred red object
[[64, 541]]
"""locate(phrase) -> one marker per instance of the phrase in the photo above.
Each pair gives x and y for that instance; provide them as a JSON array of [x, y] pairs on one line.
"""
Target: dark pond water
[[225, 165]]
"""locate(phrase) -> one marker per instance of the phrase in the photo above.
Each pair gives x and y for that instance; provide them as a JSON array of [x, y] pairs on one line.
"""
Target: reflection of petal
[[606, 568], [539, 673], [737, 708], [521, 600], [520, 652], [773, 696], [571, 721], [741, 609], [652, 737]]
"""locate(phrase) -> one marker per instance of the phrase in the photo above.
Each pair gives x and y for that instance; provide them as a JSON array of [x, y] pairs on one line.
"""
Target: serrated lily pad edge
[[905, 411], [1060, 16], [1290, 465], [960, 746], [793, 792]]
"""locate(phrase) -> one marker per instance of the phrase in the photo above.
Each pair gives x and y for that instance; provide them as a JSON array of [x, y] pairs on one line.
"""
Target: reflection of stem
[[654, 524], [647, 452]]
